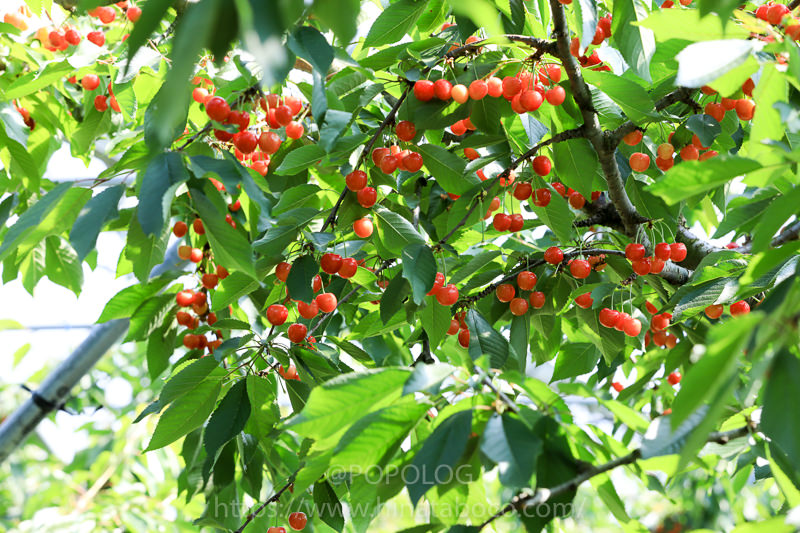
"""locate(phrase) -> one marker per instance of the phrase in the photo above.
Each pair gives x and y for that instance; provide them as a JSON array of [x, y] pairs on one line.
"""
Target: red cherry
[[689, 153], [277, 314], [296, 333], [72, 37], [663, 251], [560, 189], [632, 327], [442, 89], [326, 302], [133, 13], [185, 298], [460, 94], [210, 281], [518, 306], [526, 280], [316, 283], [282, 270], [90, 82], [447, 295], [423, 90], [656, 265], [522, 191], [217, 109], [368, 195], [363, 227], [349, 268], [635, 251], [617, 386], [245, 141], [196, 255], [197, 226], [297, 521], [412, 162], [577, 200], [438, 283], [222, 272], [639, 162], [650, 308], [537, 299], [96, 37], [580, 268], [584, 300], [542, 165], [330, 263], [101, 103], [378, 154], [660, 322], [389, 164], [356, 180], [295, 130], [633, 138], [405, 130], [641, 266], [541, 197], [739, 308], [458, 128], [517, 222], [674, 378], [622, 322], [553, 255], [531, 100], [463, 338], [180, 228], [677, 252], [471, 154], [269, 142], [283, 114], [478, 89], [714, 311], [505, 292], [454, 327], [495, 86], [511, 86], [309, 310], [609, 317], [556, 95], [501, 222]]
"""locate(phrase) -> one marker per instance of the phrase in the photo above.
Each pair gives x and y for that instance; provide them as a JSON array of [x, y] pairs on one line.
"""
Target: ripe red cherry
[[522, 191], [96, 37], [363, 227], [632, 327], [553, 255], [282, 270], [660, 322], [739, 308], [295, 130], [609, 317], [185, 298], [541, 197], [277, 314], [580, 268], [316, 283], [530, 99], [184, 252], [442, 89], [585, 300], [677, 251], [438, 283], [460, 94], [505, 292], [180, 228], [555, 95], [356, 180], [518, 306], [297, 521], [412, 162], [423, 90], [517, 222], [674, 378], [577, 200], [379, 153], [447, 295], [478, 89], [367, 196], [308, 311], [639, 162], [634, 251], [617, 386], [454, 327], [714, 311], [296, 333], [622, 322], [405, 130], [642, 267], [526, 280], [72, 37], [511, 86], [196, 255], [349, 268], [217, 109], [471, 154], [501, 222], [245, 141], [542, 165], [495, 86], [633, 138], [389, 164], [463, 338], [198, 227], [101, 103], [210, 281], [689, 153], [326, 302], [663, 251], [537, 299], [458, 128], [133, 13], [650, 308], [90, 82], [330, 263], [283, 115], [269, 142]]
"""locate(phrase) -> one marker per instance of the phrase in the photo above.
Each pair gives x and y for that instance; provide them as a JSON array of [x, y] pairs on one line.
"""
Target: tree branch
[[541, 495], [681, 94], [541, 45], [789, 233], [794, 4], [275, 497]]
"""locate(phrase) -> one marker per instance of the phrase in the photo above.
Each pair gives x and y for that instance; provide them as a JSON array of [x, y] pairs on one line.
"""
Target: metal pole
[[56, 387]]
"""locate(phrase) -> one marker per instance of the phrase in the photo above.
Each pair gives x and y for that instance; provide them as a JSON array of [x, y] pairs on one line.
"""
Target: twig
[[790, 233], [194, 137], [542, 495], [275, 497], [681, 94], [541, 45], [486, 380]]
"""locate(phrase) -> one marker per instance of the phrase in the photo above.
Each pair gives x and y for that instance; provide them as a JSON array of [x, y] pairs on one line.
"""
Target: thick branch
[[794, 4], [542, 495], [696, 247], [789, 233]]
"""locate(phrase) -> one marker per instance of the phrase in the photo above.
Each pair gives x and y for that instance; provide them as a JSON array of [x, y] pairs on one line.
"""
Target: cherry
[[363, 227], [715, 110], [689, 153], [660, 338], [180, 228], [560, 189], [296, 333], [518, 306], [282, 270], [356, 180], [379, 153], [196, 255], [101, 103], [269, 142], [90, 82], [584, 300], [289, 373], [471, 154], [739, 308], [633, 138], [330, 263], [642, 267], [297, 521], [577, 200], [617, 386], [674, 378], [639, 162], [511, 86], [776, 13], [349, 268], [200, 95], [412, 162], [295, 130], [664, 164], [541, 197], [553, 255], [210, 281], [634, 252], [460, 94], [96, 37], [192, 342], [677, 252], [542, 165], [650, 308], [197, 226], [526, 280], [556, 95], [505, 292], [495, 86], [316, 283], [622, 322], [294, 103], [245, 141], [501, 222], [517, 222], [185, 252], [537, 299], [442, 89], [609, 317], [708, 155], [454, 327], [463, 338], [217, 109], [327, 302], [458, 128], [133, 13], [745, 109], [308, 311], [714, 311], [106, 14], [447, 295], [424, 90], [185, 298], [368, 195], [438, 283], [283, 115], [389, 164], [277, 314], [222, 272], [665, 151], [663, 251], [184, 318], [580, 268], [405, 130], [478, 89], [632, 327], [660, 322], [671, 340]]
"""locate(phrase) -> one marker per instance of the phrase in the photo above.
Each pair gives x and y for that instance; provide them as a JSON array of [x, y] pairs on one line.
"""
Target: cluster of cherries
[[736, 309], [673, 379], [91, 82], [297, 521], [518, 305], [780, 14], [61, 39], [663, 252], [602, 33]]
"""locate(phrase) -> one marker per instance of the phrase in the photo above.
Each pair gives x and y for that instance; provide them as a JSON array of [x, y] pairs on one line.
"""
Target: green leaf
[[394, 22], [723, 8], [300, 159], [577, 165], [629, 95], [125, 302], [586, 12], [37, 80], [153, 12], [688, 25], [165, 173], [228, 419], [557, 216], [310, 44], [419, 268], [149, 316], [694, 177], [160, 346], [329, 508], [100, 209], [264, 413], [575, 359], [63, 266], [231, 289], [636, 44], [694, 299], [435, 321], [448, 169], [485, 115], [513, 446], [340, 16], [780, 391], [439, 453], [427, 378], [702, 63], [485, 340], [230, 247], [186, 413], [661, 439], [395, 232], [301, 275], [339, 402], [144, 251], [186, 376], [393, 297], [30, 220], [705, 126]]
